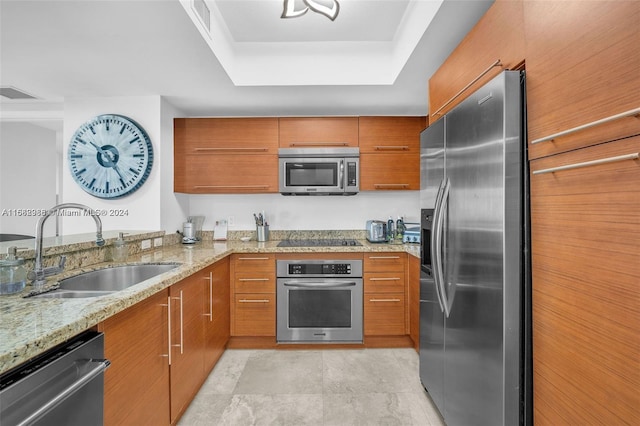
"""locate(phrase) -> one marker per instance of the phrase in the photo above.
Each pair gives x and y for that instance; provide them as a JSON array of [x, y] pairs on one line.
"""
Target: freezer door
[[482, 215], [431, 341], [431, 162]]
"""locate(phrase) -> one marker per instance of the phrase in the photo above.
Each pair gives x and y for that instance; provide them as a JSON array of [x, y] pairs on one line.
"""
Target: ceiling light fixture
[[328, 8]]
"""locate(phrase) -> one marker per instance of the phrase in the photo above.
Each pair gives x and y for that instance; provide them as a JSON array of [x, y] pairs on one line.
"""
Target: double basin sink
[[106, 281]]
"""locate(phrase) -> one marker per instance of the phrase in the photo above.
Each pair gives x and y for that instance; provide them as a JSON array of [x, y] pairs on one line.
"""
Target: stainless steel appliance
[[319, 171], [319, 242], [474, 330], [376, 231], [64, 386], [319, 301]]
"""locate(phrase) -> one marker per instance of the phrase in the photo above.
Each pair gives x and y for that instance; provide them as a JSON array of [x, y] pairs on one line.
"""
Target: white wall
[[143, 206], [307, 212], [28, 167], [174, 208]]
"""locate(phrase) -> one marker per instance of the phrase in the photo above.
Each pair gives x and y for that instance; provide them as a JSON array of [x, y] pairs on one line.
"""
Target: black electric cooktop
[[325, 242]]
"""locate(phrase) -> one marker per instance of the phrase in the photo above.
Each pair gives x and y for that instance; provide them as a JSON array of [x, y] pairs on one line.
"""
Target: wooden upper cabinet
[[390, 153], [232, 136], [498, 35], [390, 134], [225, 155], [583, 65], [318, 132]]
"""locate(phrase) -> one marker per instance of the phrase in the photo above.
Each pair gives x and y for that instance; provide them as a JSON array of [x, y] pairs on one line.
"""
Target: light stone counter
[[30, 326]]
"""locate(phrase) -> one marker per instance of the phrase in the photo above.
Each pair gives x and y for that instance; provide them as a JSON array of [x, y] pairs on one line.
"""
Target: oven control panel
[[319, 268], [311, 269]]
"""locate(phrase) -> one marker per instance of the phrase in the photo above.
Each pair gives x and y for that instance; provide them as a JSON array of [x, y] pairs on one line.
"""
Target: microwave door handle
[[341, 178]]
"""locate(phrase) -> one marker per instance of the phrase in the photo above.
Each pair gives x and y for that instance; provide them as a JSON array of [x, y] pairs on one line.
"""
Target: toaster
[[377, 231]]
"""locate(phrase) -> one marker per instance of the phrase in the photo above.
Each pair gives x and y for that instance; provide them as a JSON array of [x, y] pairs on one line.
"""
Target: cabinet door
[[499, 35], [187, 343], [385, 262], [390, 171], [585, 229], [253, 308], [227, 174], [384, 314], [582, 66], [382, 135], [307, 132], [225, 136], [216, 308], [413, 300], [136, 385]]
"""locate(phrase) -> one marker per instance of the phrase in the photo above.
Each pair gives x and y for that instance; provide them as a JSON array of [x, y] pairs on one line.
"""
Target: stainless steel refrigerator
[[474, 332]]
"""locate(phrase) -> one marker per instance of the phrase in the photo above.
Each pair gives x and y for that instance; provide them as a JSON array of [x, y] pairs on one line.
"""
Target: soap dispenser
[[119, 252], [13, 275]]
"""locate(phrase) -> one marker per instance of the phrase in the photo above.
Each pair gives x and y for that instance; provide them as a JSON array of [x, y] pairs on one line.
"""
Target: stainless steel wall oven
[[319, 301]]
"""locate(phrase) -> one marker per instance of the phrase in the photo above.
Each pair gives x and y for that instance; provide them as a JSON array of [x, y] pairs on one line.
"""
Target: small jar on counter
[[13, 275]]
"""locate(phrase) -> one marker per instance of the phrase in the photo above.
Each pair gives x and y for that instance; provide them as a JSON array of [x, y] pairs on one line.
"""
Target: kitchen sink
[[105, 281]]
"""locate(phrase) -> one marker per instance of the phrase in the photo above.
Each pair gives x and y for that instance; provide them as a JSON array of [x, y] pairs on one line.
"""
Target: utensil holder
[[262, 232]]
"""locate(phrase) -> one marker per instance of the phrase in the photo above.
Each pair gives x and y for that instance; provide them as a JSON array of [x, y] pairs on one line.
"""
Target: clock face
[[110, 156]]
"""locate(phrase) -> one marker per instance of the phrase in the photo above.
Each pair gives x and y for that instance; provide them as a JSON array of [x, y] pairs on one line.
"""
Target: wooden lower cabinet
[[385, 294], [413, 301], [216, 316], [253, 306], [137, 382], [187, 345], [585, 229]]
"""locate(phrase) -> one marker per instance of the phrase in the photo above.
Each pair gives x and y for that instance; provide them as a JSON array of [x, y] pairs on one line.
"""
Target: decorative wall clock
[[110, 156]]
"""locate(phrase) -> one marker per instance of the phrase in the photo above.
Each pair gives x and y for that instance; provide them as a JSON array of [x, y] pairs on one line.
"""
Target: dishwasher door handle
[[98, 369]]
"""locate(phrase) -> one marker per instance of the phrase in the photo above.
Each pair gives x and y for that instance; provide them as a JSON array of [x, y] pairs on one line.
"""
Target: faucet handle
[[62, 262]]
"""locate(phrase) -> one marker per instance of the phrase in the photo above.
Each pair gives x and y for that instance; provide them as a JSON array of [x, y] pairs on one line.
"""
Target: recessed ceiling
[[368, 43], [56, 50]]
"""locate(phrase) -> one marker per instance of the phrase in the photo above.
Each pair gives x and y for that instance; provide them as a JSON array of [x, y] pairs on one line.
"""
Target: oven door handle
[[319, 284]]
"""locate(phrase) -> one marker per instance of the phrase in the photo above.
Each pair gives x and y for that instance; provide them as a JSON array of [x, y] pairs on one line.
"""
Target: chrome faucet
[[38, 274]]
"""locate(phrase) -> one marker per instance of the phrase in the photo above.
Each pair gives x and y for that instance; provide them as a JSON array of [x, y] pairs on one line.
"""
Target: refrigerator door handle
[[437, 254], [436, 246]]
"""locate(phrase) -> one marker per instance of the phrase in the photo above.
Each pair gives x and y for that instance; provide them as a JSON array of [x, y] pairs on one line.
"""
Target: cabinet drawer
[[384, 314], [226, 174], [250, 282], [226, 136], [384, 282], [300, 132], [255, 263], [384, 135], [390, 171], [384, 262], [255, 314]]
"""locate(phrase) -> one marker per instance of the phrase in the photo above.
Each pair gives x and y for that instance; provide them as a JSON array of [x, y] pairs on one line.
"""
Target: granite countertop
[[30, 326]]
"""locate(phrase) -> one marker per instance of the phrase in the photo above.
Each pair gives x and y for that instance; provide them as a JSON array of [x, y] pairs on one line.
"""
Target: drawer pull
[[385, 279], [589, 163], [629, 113], [231, 186], [390, 185], [384, 300], [253, 258], [392, 148], [231, 149], [464, 89], [384, 257], [253, 279], [254, 300], [319, 144]]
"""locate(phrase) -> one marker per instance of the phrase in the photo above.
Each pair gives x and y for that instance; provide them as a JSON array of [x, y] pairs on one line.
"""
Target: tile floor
[[313, 387]]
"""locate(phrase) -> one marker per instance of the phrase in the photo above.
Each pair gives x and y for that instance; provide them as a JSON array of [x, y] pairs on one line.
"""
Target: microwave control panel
[[352, 174]]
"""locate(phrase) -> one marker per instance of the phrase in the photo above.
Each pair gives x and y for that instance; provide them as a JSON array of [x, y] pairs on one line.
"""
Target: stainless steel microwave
[[319, 171]]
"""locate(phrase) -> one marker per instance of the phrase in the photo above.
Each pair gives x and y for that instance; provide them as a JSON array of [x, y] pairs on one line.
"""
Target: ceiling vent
[[203, 12], [11, 92]]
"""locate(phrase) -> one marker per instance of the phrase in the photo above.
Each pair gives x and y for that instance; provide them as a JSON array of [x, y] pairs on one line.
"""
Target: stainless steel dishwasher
[[63, 386]]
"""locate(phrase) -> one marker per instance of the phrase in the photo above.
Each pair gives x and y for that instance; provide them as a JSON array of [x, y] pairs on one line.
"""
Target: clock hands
[[111, 159]]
